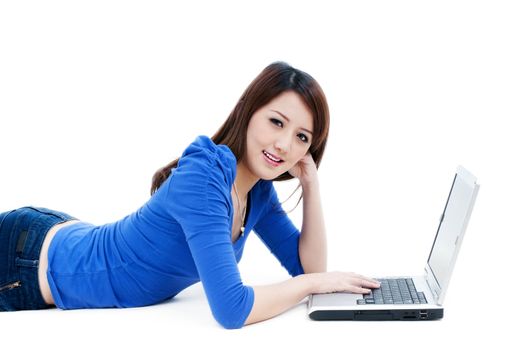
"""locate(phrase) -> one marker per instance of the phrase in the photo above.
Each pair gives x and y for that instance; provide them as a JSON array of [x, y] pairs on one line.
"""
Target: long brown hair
[[275, 79]]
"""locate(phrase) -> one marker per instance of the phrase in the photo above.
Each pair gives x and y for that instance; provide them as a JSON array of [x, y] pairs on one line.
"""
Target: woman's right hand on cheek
[[336, 281]]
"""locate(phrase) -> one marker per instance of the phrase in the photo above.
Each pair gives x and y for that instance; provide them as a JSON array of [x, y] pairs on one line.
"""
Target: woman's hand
[[293, 290], [336, 281], [305, 170]]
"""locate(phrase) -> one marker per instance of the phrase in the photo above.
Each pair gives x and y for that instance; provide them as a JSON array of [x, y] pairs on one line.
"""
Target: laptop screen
[[451, 227]]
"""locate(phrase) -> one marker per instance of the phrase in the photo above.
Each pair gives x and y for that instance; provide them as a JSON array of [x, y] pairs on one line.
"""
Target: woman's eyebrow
[[286, 118]]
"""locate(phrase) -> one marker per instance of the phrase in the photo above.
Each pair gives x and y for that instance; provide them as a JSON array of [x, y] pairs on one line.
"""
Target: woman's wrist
[[309, 185], [309, 282], [309, 182]]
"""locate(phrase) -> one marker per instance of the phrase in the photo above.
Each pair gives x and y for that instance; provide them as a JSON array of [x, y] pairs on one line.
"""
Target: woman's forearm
[[313, 246], [272, 300]]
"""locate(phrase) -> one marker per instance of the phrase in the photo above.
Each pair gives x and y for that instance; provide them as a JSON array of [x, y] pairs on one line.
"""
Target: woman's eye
[[303, 138], [277, 122]]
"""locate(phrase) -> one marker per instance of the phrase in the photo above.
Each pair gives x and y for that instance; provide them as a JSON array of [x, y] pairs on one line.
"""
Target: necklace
[[242, 213]]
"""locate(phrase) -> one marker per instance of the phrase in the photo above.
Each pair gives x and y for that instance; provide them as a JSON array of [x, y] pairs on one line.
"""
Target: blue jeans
[[22, 233]]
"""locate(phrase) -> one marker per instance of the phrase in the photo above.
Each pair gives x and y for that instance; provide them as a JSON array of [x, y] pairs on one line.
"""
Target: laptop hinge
[[431, 286]]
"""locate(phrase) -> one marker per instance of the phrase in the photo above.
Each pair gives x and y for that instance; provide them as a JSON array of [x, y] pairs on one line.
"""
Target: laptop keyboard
[[394, 291]]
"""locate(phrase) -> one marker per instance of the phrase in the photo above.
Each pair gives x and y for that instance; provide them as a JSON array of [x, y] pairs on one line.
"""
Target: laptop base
[[377, 315]]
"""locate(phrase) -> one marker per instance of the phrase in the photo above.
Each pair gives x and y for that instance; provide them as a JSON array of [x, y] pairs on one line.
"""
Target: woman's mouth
[[272, 159]]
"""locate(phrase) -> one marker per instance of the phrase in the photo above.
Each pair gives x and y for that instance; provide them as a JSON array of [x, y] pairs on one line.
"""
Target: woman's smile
[[272, 159]]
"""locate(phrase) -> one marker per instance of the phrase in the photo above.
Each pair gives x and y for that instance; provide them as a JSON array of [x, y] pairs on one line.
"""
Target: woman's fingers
[[371, 280], [362, 284], [371, 284], [360, 290], [336, 281]]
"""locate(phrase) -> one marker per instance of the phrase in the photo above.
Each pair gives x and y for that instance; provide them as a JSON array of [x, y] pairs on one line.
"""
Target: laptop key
[[422, 297], [394, 291]]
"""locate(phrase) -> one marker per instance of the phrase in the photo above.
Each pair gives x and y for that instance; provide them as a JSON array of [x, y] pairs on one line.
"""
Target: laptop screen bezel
[[438, 290]]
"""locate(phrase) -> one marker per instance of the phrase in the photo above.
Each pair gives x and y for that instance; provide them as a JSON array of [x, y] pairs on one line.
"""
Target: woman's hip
[[22, 234]]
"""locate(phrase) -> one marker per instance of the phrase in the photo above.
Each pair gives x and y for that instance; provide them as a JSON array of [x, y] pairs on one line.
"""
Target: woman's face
[[278, 136]]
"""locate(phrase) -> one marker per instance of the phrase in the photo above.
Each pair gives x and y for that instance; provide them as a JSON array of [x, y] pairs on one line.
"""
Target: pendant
[[242, 229]]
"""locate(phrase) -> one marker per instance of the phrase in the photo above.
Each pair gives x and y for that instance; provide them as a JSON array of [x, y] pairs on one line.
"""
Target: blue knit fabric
[[180, 236]]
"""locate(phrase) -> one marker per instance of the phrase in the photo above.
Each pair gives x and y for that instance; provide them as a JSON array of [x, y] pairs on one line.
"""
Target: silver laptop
[[413, 297]]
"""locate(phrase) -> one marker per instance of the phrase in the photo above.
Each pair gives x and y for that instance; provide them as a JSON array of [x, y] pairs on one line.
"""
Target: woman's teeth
[[271, 157]]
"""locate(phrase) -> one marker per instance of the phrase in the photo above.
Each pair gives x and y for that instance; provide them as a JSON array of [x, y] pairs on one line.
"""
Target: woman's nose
[[283, 145]]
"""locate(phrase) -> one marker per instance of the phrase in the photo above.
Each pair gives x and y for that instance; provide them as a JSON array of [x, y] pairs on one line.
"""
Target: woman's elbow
[[231, 310], [227, 321]]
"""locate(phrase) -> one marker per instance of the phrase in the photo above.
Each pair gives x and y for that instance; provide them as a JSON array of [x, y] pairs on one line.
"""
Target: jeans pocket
[[10, 286], [8, 295]]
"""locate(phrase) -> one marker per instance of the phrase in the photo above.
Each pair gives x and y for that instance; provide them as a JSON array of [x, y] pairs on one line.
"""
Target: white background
[[95, 96]]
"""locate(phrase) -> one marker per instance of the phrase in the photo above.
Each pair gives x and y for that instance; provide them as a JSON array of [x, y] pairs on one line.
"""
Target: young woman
[[194, 227]]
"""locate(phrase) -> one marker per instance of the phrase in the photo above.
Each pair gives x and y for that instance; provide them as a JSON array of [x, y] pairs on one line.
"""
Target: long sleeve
[[198, 198], [279, 234]]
